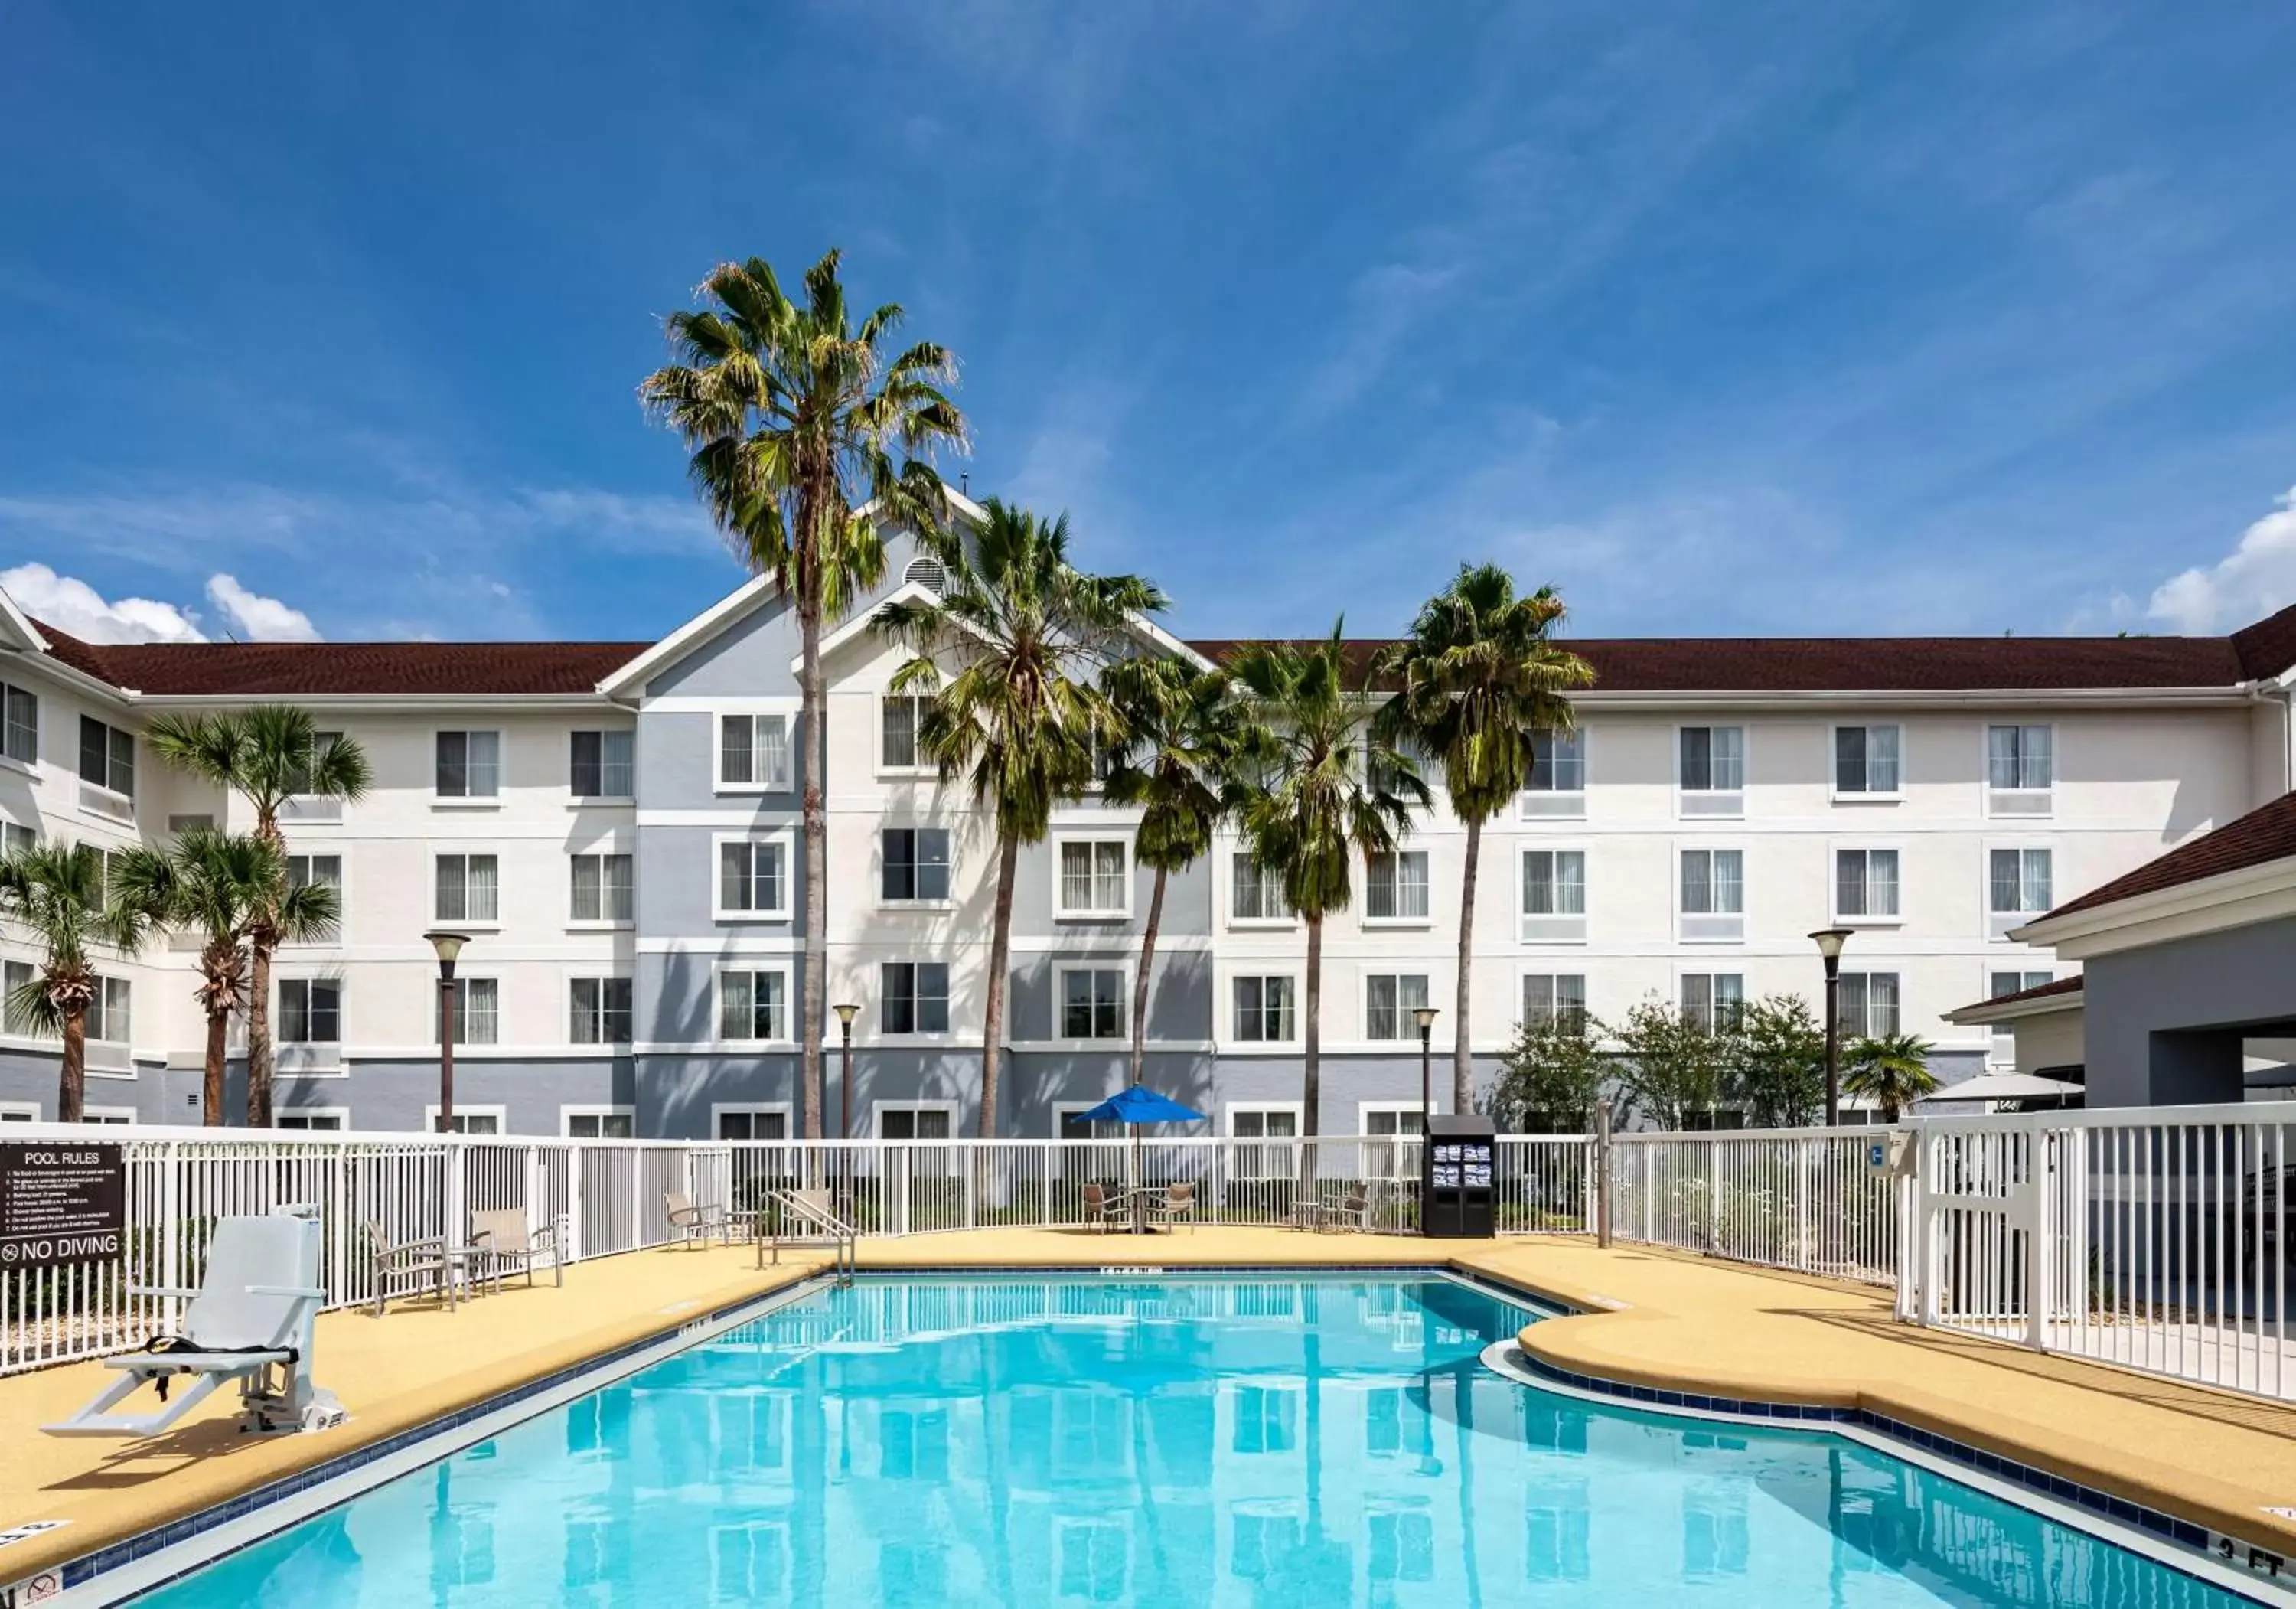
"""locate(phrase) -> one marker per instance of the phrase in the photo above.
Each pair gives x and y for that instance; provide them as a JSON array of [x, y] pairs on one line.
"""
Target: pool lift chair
[[251, 1320]]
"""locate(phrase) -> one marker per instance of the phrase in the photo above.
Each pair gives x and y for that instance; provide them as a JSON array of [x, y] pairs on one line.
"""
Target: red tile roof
[[305, 669], [2263, 834]]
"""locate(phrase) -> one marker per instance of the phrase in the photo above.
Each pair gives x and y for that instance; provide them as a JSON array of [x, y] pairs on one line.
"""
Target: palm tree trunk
[[1462, 1061], [1311, 1078], [258, 1031], [212, 1078], [71, 1081], [814, 1012], [1140, 983], [1000, 947]]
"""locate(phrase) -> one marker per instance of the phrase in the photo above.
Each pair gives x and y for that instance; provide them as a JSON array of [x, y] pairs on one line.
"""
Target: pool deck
[[1653, 1318]]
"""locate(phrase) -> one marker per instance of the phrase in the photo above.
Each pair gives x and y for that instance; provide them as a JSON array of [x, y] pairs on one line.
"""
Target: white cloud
[[257, 618], [72, 605], [2257, 576]]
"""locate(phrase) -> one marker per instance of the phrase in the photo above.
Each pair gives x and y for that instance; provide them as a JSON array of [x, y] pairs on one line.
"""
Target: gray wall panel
[[1187, 895], [677, 882], [752, 658], [2164, 1023]]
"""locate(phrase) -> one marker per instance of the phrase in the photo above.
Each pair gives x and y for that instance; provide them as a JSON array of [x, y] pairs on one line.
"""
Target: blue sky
[[1838, 317]]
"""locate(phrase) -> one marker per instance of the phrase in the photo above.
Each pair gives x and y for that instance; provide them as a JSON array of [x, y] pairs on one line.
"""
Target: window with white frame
[[17, 839], [303, 804], [1092, 1000], [18, 1111], [915, 868], [327, 871], [1391, 1001], [1866, 761], [753, 878], [2019, 884], [1389, 1126], [15, 977], [753, 751], [1255, 892], [107, 756], [753, 1123], [20, 724], [114, 1117], [311, 1120], [906, 1121], [2003, 1048], [599, 1122], [1556, 999], [467, 1120], [603, 889], [1713, 889], [2020, 769], [900, 717], [1553, 895], [468, 765], [1865, 884], [469, 889], [1274, 1127], [1395, 886], [478, 1012], [753, 1004], [1711, 1000], [110, 1015], [1095, 878], [913, 997], [1264, 1009], [600, 765], [1558, 775], [311, 1012], [1869, 1006], [598, 1011], [1711, 771]]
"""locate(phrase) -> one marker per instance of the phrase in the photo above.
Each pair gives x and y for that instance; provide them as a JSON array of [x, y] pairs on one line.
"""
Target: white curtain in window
[[1729, 758], [773, 750], [485, 893], [1882, 759], [486, 765], [1108, 877], [589, 905], [2034, 883]]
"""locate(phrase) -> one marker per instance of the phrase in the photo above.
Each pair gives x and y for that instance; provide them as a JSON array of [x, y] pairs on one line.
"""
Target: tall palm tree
[[1182, 734], [1479, 678], [219, 885], [57, 891], [1024, 635], [267, 753], [792, 417], [1892, 1071], [1324, 790]]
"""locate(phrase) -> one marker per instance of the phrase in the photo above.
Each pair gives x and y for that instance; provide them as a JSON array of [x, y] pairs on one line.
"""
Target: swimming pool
[[1257, 1440]]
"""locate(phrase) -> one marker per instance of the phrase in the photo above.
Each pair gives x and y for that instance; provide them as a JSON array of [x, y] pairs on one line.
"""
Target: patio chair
[[502, 1242], [1178, 1201], [1352, 1212], [426, 1261], [252, 1314], [694, 1224], [1103, 1207]]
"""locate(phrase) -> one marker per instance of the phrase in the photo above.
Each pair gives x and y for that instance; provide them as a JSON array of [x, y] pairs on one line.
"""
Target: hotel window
[[753, 878], [1713, 999], [2003, 1048], [1390, 1000], [752, 1005], [469, 889], [1712, 770], [1558, 763], [468, 765], [1555, 998], [899, 1122], [913, 997], [1713, 894], [309, 1121], [310, 1011], [902, 715], [2020, 769], [1553, 895], [1868, 1005], [1095, 878], [602, 890], [1092, 1003], [1865, 759], [1396, 886], [110, 1015], [1264, 1010], [753, 751], [601, 768], [2018, 887], [1865, 884], [599, 1011], [618, 1124], [916, 864], [326, 870], [1258, 891], [107, 757], [478, 1012], [14, 977], [753, 1123], [20, 724], [17, 839]]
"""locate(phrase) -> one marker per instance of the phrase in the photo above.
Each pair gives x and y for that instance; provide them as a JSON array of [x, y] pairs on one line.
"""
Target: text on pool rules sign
[[61, 1201]]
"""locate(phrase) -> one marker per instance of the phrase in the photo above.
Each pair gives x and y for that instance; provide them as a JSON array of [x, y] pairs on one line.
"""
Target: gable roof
[[2268, 648], [312, 669], [2264, 834]]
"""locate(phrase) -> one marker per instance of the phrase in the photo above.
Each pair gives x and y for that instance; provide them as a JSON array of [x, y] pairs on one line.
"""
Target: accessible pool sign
[[61, 1201]]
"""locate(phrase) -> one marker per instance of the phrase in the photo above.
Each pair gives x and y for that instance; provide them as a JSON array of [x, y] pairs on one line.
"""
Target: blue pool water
[[1257, 1441]]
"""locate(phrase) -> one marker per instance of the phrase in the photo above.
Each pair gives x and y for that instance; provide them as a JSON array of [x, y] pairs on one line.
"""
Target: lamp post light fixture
[[845, 1073], [1426, 1016], [448, 946], [1829, 941]]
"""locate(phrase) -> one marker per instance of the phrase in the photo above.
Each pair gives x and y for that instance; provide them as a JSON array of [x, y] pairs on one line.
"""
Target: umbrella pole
[[1139, 1203]]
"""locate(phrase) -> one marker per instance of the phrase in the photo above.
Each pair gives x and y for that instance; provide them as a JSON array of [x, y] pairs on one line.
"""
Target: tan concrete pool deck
[[1655, 1319]]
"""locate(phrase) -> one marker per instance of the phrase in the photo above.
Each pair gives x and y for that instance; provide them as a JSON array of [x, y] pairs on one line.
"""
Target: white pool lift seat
[[251, 1320]]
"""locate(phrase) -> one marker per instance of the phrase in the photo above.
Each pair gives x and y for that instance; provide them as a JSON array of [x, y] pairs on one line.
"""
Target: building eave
[[2240, 897]]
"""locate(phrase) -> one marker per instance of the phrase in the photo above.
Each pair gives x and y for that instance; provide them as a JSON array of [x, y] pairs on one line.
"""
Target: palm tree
[[1892, 1070], [1183, 734], [1323, 790], [1480, 680], [269, 753], [56, 892], [1024, 635], [792, 417], [219, 886]]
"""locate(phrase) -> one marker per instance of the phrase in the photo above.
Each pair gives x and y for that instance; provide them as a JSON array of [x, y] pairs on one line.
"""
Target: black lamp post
[[1829, 941], [1426, 1016], [448, 946], [845, 1073]]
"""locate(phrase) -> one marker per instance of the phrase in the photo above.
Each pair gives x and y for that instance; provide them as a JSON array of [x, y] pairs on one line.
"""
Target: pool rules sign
[[61, 1201]]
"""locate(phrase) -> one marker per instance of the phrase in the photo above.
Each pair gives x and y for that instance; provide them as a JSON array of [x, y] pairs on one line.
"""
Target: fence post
[[1600, 1185], [1650, 1188], [574, 1154], [1802, 1259], [171, 1232], [1050, 1158], [2040, 1254]]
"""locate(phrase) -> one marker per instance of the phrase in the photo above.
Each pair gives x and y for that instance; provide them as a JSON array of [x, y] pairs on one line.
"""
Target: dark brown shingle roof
[[2268, 833], [2267, 647], [306, 669]]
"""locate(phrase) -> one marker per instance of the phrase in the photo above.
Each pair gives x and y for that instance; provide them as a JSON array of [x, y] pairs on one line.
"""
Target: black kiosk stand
[[1456, 1196]]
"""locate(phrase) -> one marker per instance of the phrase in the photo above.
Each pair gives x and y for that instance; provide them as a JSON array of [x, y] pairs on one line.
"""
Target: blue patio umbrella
[[1133, 1106]]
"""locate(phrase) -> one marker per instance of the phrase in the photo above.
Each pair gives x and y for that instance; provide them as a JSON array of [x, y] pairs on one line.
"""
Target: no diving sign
[[60, 1202]]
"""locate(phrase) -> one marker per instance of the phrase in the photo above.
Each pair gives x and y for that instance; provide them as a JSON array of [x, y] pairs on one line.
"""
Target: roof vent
[[928, 574]]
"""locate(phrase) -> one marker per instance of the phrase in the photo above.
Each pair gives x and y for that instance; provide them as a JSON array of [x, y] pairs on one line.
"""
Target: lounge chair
[[1103, 1208], [426, 1262], [253, 1313], [694, 1225], [1353, 1211], [1176, 1202], [502, 1242]]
